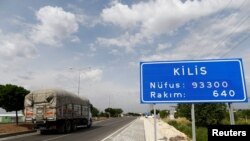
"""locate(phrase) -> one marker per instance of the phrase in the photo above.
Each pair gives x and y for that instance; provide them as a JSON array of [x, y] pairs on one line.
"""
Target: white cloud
[[56, 25], [161, 47], [92, 74], [216, 37], [16, 45], [156, 17], [121, 15], [210, 38], [128, 41], [61, 78]]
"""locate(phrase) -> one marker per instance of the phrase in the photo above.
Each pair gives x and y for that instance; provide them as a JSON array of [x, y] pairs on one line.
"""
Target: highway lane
[[97, 132]]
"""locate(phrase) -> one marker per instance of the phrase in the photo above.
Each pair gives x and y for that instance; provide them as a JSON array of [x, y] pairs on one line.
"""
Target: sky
[[49, 44]]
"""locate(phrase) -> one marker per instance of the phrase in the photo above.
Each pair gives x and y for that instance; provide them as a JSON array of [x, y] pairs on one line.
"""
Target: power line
[[241, 41], [232, 32], [234, 47], [217, 16], [235, 28]]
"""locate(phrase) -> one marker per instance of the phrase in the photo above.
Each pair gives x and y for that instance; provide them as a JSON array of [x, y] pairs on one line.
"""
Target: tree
[[133, 114], [1, 88], [157, 111], [205, 114], [94, 111], [118, 112], [243, 114], [12, 98], [164, 113], [102, 114], [184, 110], [114, 112]]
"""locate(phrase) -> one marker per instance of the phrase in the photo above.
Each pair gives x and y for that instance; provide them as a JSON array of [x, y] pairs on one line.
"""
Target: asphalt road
[[97, 132]]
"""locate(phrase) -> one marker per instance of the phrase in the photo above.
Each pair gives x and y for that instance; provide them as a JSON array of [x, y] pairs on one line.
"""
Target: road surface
[[99, 131]]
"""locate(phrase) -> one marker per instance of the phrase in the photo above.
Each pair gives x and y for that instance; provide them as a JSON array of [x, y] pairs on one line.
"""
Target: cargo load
[[57, 109]]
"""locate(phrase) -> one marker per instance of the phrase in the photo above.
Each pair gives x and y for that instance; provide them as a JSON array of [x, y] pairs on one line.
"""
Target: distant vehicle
[[55, 109]]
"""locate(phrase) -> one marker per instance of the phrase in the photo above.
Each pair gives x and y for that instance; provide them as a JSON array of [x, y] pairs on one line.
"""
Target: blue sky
[[47, 43]]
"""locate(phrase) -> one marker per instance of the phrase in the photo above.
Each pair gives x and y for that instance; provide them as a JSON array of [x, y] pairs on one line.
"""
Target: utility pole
[[109, 106], [79, 78], [79, 83]]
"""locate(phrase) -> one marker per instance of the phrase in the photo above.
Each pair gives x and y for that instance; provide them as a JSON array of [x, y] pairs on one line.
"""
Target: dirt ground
[[13, 128]]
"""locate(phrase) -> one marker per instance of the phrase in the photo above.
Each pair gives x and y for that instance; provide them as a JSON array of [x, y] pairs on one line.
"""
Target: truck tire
[[61, 127], [67, 126], [43, 132], [73, 126], [89, 123]]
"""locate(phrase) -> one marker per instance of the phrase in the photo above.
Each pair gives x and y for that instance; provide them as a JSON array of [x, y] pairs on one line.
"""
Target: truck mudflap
[[45, 125], [61, 126]]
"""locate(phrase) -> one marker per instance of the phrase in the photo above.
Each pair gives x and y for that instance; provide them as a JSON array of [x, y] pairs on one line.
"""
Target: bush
[[216, 113], [183, 121], [185, 129], [164, 113], [173, 123], [242, 121], [185, 126]]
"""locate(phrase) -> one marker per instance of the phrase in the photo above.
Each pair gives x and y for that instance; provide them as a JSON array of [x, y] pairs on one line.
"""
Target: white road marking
[[122, 128], [18, 136], [55, 138]]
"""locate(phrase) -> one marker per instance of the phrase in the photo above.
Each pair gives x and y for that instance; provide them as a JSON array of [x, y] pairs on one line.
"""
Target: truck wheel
[[61, 127], [67, 126], [73, 127], [89, 124], [43, 132]]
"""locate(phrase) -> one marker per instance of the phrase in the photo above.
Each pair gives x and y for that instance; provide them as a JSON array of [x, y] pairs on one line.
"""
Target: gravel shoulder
[[11, 129], [164, 131]]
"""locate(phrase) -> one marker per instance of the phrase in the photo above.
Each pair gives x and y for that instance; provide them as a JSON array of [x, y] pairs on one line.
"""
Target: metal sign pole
[[155, 123], [193, 123], [231, 113]]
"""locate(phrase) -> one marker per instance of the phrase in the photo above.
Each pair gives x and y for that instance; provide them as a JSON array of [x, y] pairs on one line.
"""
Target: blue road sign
[[192, 81]]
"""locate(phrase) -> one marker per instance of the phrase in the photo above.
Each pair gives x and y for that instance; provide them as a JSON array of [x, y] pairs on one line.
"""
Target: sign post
[[155, 125], [193, 81], [193, 123], [231, 114]]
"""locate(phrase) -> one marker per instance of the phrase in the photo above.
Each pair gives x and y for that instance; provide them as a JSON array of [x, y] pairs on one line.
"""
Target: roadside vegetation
[[205, 114], [12, 98], [185, 126]]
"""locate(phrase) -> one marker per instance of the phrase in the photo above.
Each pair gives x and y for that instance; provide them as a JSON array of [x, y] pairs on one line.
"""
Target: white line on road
[[55, 138], [122, 128]]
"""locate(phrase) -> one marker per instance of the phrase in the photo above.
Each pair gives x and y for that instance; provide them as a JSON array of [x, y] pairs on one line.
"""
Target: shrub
[[185, 126]]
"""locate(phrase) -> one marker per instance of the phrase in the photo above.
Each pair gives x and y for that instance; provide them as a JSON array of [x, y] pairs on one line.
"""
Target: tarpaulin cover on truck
[[55, 98]]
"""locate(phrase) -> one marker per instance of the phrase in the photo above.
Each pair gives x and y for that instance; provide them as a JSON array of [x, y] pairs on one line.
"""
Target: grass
[[239, 121], [185, 126]]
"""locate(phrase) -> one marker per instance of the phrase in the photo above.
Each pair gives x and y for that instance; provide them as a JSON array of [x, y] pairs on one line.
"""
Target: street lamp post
[[79, 83], [79, 78]]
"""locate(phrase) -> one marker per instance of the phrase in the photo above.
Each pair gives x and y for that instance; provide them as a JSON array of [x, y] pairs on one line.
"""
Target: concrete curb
[[17, 133]]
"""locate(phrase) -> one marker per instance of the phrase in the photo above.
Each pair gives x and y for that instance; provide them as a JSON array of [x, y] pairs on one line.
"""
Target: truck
[[57, 109]]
